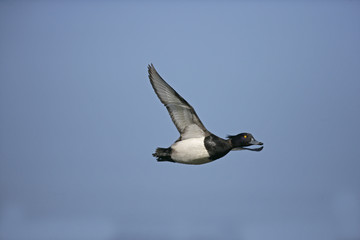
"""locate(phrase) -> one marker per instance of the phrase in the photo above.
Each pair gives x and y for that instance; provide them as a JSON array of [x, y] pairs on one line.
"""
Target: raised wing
[[181, 112]]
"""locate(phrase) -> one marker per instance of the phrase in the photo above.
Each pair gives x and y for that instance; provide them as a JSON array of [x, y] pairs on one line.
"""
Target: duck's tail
[[163, 154]]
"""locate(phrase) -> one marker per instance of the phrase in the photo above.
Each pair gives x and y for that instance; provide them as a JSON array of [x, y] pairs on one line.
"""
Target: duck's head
[[244, 140]]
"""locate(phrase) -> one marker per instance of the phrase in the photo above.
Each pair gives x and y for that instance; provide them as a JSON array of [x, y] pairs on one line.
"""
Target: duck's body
[[190, 151], [195, 150], [196, 144]]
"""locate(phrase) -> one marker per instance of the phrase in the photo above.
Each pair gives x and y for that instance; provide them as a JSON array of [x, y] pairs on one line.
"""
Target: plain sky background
[[79, 119]]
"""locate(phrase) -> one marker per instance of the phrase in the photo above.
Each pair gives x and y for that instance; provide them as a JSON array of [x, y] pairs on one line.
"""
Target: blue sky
[[79, 119]]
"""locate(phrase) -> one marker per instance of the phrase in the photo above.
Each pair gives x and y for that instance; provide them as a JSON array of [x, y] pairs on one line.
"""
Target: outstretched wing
[[181, 112]]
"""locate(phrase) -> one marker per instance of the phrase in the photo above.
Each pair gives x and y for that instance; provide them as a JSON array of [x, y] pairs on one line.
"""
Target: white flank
[[190, 151]]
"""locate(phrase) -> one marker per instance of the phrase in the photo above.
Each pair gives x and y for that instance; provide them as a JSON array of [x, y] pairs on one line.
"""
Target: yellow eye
[[245, 136]]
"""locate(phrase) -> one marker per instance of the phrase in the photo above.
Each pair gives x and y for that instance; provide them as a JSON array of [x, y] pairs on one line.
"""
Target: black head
[[243, 140]]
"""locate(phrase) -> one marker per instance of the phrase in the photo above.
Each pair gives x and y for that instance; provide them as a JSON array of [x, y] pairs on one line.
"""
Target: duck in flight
[[196, 144]]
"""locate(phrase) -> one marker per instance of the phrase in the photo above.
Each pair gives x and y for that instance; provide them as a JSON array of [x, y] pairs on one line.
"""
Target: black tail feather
[[163, 154]]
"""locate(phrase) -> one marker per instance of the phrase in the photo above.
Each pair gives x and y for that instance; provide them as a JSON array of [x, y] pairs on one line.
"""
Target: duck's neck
[[216, 146]]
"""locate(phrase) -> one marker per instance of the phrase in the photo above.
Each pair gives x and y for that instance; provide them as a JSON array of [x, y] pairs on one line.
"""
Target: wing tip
[[151, 67], [151, 71]]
